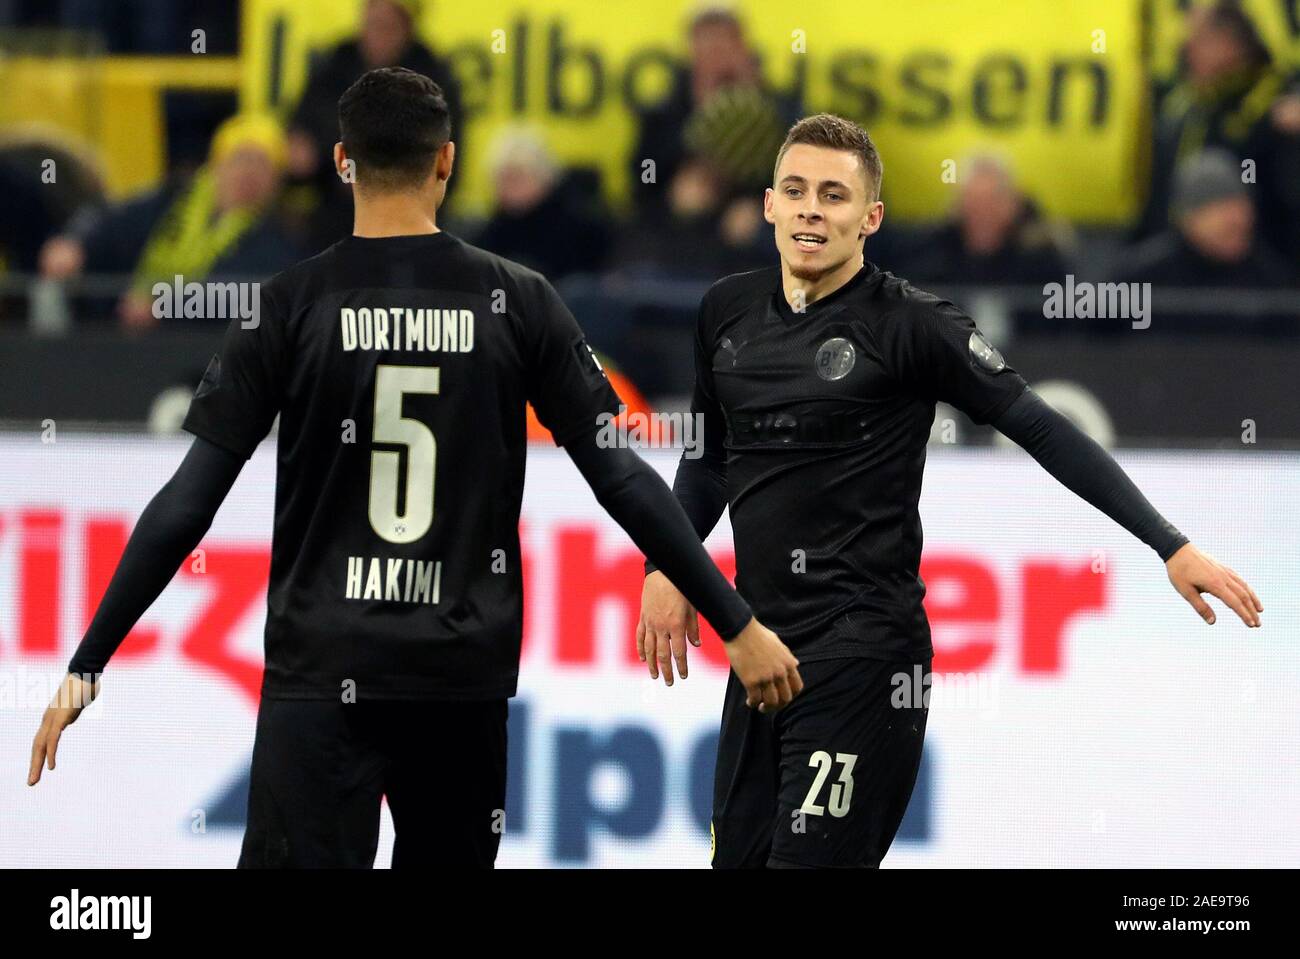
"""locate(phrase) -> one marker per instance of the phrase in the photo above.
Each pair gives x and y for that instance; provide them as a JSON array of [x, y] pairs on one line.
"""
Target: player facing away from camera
[[400, 361], [817, 382]]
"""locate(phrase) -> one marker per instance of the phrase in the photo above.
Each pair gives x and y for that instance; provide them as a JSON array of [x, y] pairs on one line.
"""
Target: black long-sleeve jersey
[[815, 425], [400, 368]]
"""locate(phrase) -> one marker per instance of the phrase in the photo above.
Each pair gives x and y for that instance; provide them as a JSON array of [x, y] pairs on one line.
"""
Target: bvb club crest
[[835, 358]]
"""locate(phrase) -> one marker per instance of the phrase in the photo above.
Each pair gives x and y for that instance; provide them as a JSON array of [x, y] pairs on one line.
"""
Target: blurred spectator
[[662, 266], [25, 216], [215, 225], [1214, 243], [996, 235], [718, 112], [1230, 95], [146, 26], [543, 219], [705, 233], [32, 208], [128, 26], [387, 39]]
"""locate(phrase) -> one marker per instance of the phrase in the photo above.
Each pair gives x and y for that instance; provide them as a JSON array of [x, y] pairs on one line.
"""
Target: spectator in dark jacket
[[707, 230], [1214, 243], [995, 236], [1230, 95], [719, 111], [542, 218], [25, 217], [386, 39]]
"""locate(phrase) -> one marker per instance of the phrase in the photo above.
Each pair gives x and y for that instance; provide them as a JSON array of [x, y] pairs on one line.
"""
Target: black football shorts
[[825, 781], [320, 769]]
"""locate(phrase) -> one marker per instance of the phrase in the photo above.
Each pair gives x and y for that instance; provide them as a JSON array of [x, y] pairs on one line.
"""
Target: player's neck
[[800, 293], [398, 214]]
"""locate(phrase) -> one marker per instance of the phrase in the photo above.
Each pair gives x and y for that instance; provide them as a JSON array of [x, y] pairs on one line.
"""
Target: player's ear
[[446, 160], [340, 159], [768, 213], [871, 222]]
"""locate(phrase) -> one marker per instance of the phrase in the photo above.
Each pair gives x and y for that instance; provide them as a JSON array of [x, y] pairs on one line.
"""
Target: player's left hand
[[74, 695], [1193, 572], [668, 623]]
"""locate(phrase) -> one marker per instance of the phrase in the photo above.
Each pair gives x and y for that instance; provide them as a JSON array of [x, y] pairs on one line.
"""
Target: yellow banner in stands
[[1058, 87]]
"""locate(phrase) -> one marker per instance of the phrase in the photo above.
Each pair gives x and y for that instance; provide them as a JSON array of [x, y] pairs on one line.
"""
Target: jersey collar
[[868, 272]]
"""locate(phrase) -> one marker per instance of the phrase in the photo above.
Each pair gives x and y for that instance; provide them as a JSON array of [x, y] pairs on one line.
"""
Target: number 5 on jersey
[[392, 383]]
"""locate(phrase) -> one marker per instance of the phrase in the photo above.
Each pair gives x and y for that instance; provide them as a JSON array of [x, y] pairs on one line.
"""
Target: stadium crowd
[[267, 194]]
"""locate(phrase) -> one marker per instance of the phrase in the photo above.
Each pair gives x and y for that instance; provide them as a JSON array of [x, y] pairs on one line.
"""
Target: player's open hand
[[1193, 572], [74, 695], [765, 666], [668, 622]]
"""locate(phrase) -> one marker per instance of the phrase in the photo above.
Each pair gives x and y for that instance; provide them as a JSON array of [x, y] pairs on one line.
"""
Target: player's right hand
[[74, 695], [1192, 573], [765, 666], [668, 622]]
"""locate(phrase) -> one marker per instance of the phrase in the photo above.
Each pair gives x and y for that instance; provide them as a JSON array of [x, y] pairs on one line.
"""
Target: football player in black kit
[[400, 361], [816, 382]]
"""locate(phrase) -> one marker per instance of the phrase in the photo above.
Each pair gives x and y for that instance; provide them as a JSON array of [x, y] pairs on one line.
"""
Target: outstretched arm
[[634, 495], [668, 621], [701, 482], [168, 529], [1080, 464]]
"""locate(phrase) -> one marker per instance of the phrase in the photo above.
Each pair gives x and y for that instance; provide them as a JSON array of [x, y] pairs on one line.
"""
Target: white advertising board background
[[1083, 715]]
